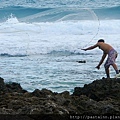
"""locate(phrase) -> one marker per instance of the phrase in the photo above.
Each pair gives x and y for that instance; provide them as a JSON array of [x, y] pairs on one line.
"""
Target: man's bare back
[[105, 47]]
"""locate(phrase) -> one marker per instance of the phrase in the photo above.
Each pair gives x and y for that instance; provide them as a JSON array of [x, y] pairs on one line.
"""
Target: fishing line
[[93, 13], [9, 26], [17, 30], [98, 28]]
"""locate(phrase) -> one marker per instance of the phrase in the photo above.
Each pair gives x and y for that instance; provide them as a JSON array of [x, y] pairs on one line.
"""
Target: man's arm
[[90, 48], [101, 61]]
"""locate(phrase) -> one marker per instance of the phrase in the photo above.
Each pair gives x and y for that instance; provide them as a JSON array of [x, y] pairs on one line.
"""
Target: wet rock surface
[[101, 97]]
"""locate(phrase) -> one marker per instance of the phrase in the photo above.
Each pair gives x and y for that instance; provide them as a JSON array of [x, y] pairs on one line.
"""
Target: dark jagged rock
[[100, 89], [11, 87], [41, 93], [2, 85], [101, 97], [14, 87]]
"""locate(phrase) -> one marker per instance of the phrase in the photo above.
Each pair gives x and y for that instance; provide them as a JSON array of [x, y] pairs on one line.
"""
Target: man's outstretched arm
[[90, 48]]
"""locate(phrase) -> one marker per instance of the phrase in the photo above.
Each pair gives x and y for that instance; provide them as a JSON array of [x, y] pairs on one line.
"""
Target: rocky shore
[[99, 98]]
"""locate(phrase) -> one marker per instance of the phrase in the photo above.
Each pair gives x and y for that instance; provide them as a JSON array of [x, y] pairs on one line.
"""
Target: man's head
[[101, 40]]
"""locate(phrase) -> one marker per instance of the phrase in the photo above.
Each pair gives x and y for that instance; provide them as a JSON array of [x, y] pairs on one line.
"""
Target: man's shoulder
[[97, 44]]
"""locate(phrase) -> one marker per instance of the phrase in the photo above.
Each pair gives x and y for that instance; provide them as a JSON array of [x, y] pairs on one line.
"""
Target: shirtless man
[[112, 55]]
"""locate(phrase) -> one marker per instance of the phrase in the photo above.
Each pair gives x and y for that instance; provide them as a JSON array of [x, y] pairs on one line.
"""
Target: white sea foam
[[42, 38]]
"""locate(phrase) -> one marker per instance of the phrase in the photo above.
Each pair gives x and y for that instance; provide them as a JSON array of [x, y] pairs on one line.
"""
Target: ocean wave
[[60, 14], [19, 12], [52, 53], [10, 55], [67, 53], [108, 12], [27, 14]]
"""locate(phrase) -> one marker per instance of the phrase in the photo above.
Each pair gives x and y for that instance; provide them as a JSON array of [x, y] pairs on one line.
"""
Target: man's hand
[[98, 67], [83, 49]]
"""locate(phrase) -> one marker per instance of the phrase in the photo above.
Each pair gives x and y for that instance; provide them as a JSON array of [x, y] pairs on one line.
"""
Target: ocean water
[[41, 41]]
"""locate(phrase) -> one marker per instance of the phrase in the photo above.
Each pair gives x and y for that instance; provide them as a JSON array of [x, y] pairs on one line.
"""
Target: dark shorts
[[112, 55]]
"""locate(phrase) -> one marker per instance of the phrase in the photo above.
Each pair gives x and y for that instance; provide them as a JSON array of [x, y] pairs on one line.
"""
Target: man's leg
[[107, 72], [115, 68]]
